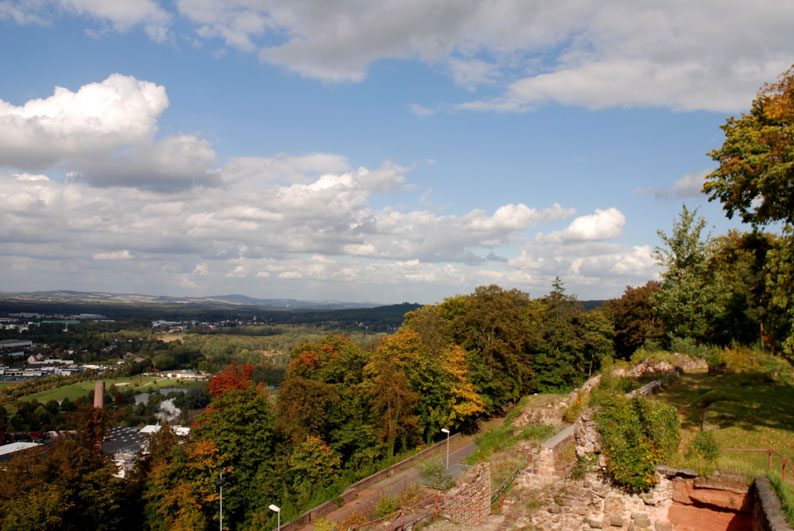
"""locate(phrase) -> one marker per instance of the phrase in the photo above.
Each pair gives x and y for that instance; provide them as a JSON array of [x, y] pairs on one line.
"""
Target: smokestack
[[99, 394]]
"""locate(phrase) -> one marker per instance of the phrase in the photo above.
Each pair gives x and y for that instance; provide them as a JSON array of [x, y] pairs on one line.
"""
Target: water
[[142, 398]]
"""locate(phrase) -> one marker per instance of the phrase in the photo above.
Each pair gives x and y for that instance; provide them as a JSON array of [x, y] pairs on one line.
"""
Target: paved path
[[459, 449]]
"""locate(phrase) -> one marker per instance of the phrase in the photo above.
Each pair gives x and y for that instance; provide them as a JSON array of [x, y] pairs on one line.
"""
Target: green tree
[[692, 295], [754, 178], [756, 162], [780, 288], [497, 329], [561, 360], [240, 424], [394, 401]]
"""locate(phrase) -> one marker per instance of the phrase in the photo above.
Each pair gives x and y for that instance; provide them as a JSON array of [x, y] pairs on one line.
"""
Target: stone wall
[[469, 502], [767, 512], [546, 464]]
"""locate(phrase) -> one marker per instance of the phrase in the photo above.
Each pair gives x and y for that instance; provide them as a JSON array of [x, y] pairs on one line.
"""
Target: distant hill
[[68, 296]]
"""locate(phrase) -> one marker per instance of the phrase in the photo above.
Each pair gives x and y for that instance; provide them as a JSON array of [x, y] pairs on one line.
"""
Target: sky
[[364, 150]]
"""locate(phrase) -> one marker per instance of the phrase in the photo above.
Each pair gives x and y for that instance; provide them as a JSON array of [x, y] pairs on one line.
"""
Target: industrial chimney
[[99, 394]]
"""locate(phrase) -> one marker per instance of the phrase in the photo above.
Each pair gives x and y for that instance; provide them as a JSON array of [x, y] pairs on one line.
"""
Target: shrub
[[637, 434], [435, 475], [609, 386], [385, 505], [704, 451], [354, 518], [575, 409], [322, 524]]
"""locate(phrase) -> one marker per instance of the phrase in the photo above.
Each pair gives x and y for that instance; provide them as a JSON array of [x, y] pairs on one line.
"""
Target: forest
[[346, 408]]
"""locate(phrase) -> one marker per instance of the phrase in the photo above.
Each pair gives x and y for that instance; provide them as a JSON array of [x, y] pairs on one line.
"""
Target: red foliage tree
[[235, 376]]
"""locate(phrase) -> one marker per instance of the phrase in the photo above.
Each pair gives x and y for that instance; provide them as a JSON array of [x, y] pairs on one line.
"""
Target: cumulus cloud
[[269, 223], [94, 121], [591, 54], [689, 185], [603, 225]]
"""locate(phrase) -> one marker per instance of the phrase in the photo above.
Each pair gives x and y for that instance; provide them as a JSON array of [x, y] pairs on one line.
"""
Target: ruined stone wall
[[545, 464], [469, 502]]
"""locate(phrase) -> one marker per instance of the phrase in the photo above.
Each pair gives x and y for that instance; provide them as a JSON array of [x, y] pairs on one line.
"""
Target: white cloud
[[421, 111], [603, 225], [704, 55], [123, 15], [94, 121], [123, 254], [469, 73], [689, 185]]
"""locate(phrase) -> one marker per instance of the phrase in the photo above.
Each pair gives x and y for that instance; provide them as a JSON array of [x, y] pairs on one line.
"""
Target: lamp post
[[219, 482], [276, 510], [447, 432]]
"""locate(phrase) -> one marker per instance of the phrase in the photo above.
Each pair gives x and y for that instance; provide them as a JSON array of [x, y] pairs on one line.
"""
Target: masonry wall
[[469, 503]]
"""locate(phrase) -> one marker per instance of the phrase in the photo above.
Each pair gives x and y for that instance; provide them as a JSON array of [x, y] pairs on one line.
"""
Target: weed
[[386, 505], [786, 496], [435, 475], [583, 466]]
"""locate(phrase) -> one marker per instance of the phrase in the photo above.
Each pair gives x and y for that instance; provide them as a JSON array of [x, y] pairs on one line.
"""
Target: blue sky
[[360, 150]]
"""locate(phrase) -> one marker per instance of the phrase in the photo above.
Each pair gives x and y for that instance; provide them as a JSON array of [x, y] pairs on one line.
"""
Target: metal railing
[[770, 452]]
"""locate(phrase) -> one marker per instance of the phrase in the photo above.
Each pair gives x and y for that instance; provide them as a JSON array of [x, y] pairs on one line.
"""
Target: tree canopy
[[755, 177]]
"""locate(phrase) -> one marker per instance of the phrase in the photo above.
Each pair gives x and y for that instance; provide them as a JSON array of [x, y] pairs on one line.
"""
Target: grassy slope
[[495, 445], [73, 391], [748, 410]]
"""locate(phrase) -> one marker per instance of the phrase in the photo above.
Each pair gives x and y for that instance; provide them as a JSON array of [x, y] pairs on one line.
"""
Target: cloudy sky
[[356, 150]]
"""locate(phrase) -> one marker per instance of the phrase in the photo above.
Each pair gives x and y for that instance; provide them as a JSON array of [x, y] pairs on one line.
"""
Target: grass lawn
[[750, 410], [73, 391]]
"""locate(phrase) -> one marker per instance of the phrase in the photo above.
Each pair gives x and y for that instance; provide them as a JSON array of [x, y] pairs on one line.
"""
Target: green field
[[73, 391]]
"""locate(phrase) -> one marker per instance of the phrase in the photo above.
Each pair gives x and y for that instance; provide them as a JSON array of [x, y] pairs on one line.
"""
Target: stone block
[[616, 521], [595, 523]]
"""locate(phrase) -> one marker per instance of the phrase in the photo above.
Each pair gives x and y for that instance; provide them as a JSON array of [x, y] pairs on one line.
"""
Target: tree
[[393, 399], [780, 287], [322, 394], [692, 294], [560, 360], [497, 329], [70, 486], [755, 177], [240, 424], [634, 318]]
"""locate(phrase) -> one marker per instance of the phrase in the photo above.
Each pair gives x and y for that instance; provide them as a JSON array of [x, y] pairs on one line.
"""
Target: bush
[[704, 450], [435, 475], [609, 386], [637, 434], [574, 410], [386, 505]]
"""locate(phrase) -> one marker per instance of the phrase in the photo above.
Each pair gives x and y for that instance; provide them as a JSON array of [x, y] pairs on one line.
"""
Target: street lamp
[[447, 432], [276, 510], [219, 482]]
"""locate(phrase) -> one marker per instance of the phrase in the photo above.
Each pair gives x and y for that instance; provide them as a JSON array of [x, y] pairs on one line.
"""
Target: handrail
[[769, 451]]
